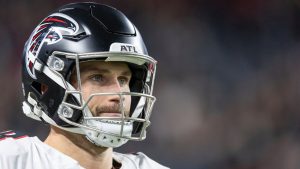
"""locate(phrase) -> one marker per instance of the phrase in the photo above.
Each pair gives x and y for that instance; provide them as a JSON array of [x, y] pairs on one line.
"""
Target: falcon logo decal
[[50, 30]]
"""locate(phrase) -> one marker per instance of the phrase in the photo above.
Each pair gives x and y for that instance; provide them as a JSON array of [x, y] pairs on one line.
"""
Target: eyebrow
[[100, 70]]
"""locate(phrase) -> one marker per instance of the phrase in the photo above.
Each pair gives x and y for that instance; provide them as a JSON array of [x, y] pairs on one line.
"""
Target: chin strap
[[108, 132]]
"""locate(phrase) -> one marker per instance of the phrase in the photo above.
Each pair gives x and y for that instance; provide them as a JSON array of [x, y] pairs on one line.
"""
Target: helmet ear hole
[[39, 88], [44, 88]]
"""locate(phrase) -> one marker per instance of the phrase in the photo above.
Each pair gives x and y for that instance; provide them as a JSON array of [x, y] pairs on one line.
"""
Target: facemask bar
[[145, 97]]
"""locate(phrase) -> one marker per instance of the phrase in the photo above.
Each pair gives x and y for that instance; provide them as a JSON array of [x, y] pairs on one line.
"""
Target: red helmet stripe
[[54, 20]]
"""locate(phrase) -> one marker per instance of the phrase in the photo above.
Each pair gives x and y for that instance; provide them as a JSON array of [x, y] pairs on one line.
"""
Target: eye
[[123, 81], [97, 78]]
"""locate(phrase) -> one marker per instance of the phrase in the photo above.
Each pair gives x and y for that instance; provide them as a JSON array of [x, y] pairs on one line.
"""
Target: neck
[[80, 149]]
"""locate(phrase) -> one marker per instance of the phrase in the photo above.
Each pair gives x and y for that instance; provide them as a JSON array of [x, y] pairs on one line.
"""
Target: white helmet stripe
[[139, 107], [56, 77]]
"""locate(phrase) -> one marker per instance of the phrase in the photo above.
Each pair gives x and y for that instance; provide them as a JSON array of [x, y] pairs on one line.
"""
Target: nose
[[115, 87]]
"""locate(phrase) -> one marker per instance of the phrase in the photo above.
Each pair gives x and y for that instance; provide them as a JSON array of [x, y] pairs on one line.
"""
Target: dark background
[[227, 85]]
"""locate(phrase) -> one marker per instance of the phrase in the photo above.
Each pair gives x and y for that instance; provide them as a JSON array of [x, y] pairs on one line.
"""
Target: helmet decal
[[50, 30], [124, 47]]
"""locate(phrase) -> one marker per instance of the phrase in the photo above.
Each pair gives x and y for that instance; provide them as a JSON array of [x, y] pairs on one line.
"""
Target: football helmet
[[82, 32]]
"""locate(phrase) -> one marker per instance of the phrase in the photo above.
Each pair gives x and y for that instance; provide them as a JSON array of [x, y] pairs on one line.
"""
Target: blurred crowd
[[228, 83]]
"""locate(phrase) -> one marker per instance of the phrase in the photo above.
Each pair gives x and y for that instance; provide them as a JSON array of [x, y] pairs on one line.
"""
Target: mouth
[[110, 114]]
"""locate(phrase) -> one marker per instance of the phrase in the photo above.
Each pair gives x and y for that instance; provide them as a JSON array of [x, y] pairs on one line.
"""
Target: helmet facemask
[[109, 131]]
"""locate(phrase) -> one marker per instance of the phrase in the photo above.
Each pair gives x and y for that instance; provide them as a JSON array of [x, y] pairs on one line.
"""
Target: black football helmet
[[86, 32]]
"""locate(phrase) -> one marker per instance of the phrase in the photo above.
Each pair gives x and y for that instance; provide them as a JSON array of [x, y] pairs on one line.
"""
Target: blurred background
[[228, 82]]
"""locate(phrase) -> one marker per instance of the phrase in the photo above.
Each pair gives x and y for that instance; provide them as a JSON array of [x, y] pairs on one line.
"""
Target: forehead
[[102, 65]]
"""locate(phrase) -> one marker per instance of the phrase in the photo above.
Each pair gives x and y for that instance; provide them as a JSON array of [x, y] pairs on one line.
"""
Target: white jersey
[[31, 153]]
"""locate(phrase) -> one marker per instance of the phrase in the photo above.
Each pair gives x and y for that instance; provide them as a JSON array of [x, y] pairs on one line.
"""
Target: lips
[[109, 114]]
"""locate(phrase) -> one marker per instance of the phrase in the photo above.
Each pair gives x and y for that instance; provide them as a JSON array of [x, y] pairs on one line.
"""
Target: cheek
[[127, 102], [87, 91]]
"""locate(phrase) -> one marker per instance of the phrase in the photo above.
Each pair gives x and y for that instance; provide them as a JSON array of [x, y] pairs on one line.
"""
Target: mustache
[[116, 108]]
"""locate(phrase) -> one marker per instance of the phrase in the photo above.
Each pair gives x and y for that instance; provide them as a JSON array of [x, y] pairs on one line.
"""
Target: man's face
[[105, 77]]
